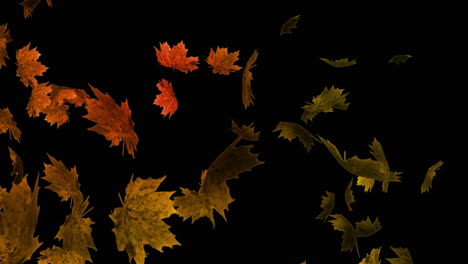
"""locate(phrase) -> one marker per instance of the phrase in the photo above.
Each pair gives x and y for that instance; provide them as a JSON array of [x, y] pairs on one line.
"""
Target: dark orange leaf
[[4, 39], [176, 57], [222, 61], [113, 121], [28, 66], [166, 99], [7, 123]]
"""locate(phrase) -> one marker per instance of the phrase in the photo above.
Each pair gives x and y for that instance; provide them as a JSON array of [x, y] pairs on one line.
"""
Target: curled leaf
[[349, 197], [289, 131], [247, 94], [430, 174], [328, 203], [17, 163], [341, 63], [289, 25], [325, 102], [404, 256], [5, 38], [8, 124]]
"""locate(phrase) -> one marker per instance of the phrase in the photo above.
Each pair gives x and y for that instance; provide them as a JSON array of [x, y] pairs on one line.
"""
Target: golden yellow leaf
[[372, 258], [17, 164], [404, 256], [290, 130], [290, 24], [247, 94], [328, 203], [18, 213], [7, 123], [57, 255], [397, 59], [214, 191], [28, 66], [325, 102], [341, 63], [430, 174], [140, 221], [5, 38], [64, 182], [349, 197]]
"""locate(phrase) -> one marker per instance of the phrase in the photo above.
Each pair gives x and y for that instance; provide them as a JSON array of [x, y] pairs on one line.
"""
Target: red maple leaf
[[113, 121], [176, 57], [166, 99], [222, 61]]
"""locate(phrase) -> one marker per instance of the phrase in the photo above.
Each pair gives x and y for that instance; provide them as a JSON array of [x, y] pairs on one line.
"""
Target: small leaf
[[166, 99], [328, 203], [430, 174], [325, 102], [349, 197], [397, 59], [289, 131], [8, 124], [247, 94], [5, 38], [176, 57], [289, 25], [404, 256], [341, 63], [222, 61], [28, 66]]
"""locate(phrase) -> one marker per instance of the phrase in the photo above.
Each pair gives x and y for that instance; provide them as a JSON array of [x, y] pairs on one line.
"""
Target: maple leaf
[[328, 203], [222, 61], [245, 132], [140, 221], [17, 164], [349, 197], [341, 63], [5, 38], [7, 123], [372, 169], [214, 191], [176, 57], [430, 174], [364, 228], [166, 99], [404, 256], [58, 255], [397, 59], [373, 257], [247, 94], [325, 102], [113, 122], [28, 66], [18, 218], [290, 130], [290, 24]]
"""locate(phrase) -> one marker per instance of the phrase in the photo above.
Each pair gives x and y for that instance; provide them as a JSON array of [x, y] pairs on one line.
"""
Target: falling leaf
[[8, 124], [328, 203], [30, 5], [325, 102], [222, 61], [341, 63], [64, 182], [372, 258], [404, 256], [113, 122], [397, 59], [290, 130], [140, 221], [246, 132], [349, 197], [290, 24], [176, 57], [18, 213], [372, 169], [214, 191], [5, 38], [166, 99], [57, 255], [28, 66], [430, 174], [351, 234], [247, 94], [17, 163]]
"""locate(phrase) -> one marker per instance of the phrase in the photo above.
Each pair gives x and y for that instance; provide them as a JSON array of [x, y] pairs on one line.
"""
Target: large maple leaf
[[166, 99], [214, 191], [7, 123], [223, 61], [114, 122], [140, 221], [247, 94], [5, 38], [176, 57], [28, 66], [18, 219]]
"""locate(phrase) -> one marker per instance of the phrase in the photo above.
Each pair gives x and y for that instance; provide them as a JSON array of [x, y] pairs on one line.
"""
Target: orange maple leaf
[[28, 66], [4, 39], [222, 61], [113, 122], [29, 5], [7, 123], [166, 99], [176, 57]]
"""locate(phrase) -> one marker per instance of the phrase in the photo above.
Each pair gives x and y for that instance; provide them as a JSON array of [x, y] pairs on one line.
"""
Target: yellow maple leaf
[[372, 258], [214, 191], [430, 174], [325, 102], [349, 197], [290, 130], [18, 213], [404, 256], [247, 94], [5, 38], [28, 66], [328, 203], [7, 123], [140, 221], [223, 61]]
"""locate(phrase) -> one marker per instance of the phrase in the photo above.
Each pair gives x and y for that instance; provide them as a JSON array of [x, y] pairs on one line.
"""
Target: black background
[[415, 110]]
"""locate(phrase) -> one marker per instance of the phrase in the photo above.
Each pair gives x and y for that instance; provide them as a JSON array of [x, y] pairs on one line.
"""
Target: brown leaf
[[7, 123], [28, 66]]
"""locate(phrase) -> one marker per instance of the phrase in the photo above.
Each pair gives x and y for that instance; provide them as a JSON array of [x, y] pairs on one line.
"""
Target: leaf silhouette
[[430, 174], [328, 203], [113, 122], [139, 221], [166, 99], [17, 163], [8, 124], [325, 102], [349, 197], [290, 130], [341, 63], [404, 256], [366, 168], [372, 258], [364, 228], [18, 213], [5, 38], [214, 191], [28, 66], [397, 59], [247, 94], [176, 57], [222, 61], [289, 25]]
